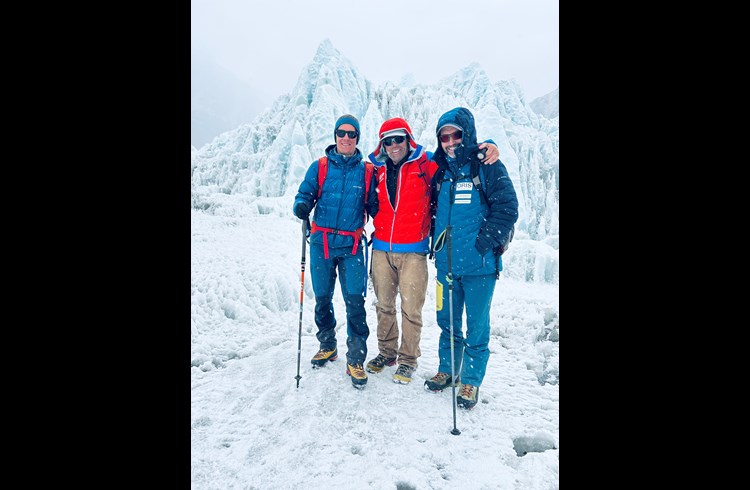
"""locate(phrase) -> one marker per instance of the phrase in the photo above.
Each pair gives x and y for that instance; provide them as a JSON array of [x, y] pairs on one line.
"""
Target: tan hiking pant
[[404, 273]]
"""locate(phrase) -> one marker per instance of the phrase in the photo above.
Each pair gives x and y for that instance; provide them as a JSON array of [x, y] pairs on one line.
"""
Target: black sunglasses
[[394, 139], [455, 135], [340, 133]]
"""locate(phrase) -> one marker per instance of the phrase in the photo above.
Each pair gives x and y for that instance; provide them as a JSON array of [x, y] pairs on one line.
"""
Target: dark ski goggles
[[394, 139], [457, 135], [341, 133]]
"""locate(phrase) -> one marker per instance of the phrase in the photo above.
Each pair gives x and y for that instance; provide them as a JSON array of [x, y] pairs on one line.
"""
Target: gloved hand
[[499, 250], [482, 244], [301, 210]]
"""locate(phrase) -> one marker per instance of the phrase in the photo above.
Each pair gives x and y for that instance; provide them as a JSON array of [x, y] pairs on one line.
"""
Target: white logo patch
[[463, 198], [463, 186]]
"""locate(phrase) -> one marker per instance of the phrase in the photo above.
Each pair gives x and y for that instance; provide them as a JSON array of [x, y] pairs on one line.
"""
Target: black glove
[[301, 210], [482, 244]]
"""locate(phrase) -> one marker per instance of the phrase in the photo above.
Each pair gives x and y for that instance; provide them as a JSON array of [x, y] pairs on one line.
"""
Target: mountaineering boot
[[324, 356], [438, 382], [468, 397], [376, 365], [359, 377], [403, 374]]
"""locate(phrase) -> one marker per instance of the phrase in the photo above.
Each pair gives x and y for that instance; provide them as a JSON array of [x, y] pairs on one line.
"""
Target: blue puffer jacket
[[480, 232], [342, 203]]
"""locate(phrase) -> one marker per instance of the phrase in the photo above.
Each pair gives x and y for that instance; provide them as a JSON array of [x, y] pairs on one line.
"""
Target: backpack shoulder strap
[[369, 169], [322, 172], [474, 174], [437, 179]]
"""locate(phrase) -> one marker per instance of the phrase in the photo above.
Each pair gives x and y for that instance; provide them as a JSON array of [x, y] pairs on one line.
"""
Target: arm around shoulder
[[492, 154]]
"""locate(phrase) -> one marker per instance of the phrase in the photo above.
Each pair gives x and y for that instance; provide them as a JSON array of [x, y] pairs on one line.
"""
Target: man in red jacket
[[400, 243]]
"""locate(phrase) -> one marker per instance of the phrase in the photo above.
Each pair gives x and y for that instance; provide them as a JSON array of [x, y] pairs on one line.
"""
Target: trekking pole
[[301, 297], [448, 231]]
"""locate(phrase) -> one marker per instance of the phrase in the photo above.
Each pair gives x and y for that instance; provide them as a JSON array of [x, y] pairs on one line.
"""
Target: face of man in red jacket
[[396, 151]]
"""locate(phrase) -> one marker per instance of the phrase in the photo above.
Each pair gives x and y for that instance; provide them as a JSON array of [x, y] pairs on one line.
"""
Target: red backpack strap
[[369, 168], [322, 171]]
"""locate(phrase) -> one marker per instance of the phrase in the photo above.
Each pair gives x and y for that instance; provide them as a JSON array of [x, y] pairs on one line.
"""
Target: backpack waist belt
[[356, 235]]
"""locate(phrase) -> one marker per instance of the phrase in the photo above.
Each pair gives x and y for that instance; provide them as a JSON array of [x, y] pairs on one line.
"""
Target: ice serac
[[262, 163]]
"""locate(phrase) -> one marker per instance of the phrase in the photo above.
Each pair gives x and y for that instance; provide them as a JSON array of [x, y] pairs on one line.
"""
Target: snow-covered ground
[[253, 428]]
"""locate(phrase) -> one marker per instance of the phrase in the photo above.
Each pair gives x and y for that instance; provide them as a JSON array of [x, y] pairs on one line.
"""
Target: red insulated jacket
[[405, 225]]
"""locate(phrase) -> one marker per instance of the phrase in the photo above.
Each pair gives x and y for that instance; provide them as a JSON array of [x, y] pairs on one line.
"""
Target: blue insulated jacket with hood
[[481, 231], [342, 203]]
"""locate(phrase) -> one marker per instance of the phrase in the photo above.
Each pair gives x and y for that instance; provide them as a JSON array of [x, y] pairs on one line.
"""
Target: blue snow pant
[[471, 353], [353, 272]]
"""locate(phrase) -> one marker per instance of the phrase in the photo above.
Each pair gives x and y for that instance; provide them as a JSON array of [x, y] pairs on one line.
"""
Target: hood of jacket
[[392, 127], [463, 118]]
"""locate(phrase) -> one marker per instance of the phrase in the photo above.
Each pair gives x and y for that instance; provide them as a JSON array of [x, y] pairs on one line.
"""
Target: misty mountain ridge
[[256, 168], [547, 105], [219, 101]]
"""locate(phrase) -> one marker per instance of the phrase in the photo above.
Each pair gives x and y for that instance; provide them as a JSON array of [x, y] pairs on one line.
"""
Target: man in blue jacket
[[337, 242], [474, 224]]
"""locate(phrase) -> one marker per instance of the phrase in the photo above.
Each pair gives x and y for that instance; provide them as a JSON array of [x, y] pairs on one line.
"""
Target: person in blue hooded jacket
[[337, 243], [473, 227]]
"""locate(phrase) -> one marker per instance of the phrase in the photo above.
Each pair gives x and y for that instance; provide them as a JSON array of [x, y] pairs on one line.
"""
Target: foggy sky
[[267, 44]]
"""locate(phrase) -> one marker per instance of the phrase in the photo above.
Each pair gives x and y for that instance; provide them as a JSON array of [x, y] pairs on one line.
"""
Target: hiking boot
[[438, 382], [359, 376], [403, 374], [468, 397], [376, 365], [324, 356]]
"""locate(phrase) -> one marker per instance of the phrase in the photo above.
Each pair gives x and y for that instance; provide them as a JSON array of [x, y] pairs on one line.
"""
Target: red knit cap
[[394, 127]]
